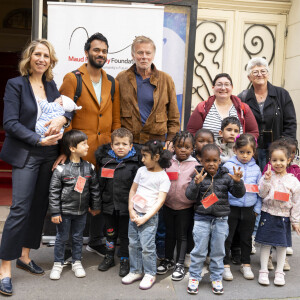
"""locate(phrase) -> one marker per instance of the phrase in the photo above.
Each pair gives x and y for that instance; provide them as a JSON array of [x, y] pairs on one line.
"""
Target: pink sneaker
[[263, 277], [279, 278]]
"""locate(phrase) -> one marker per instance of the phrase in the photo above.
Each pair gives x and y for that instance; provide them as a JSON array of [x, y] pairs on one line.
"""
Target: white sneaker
[[289, 251], [270, 263], [227, 275], [147, 282], [253, 250], [131, 277], [247, 272], [279, 278], [78, 269], [56, 271], [187, 260], [263, 277]]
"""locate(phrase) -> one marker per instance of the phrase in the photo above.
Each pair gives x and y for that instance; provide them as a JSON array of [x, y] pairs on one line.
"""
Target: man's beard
[[94, 64]]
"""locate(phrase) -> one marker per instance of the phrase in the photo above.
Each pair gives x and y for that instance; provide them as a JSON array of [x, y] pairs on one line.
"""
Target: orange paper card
[[281, 196], [107, 173], [210, 200], [251, 188], [173, 175], [80, 183], [139, 201]]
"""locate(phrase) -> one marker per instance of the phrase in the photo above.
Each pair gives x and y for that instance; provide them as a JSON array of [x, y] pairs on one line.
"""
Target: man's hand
[[60, 160], [94, 212], [55, 125], [56, 220], [237, 174], [51, 140], [296, 227], [199, 177], [268, 173]]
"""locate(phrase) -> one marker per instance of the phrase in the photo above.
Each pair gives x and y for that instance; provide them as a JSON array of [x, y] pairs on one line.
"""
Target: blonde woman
[[31, 157]]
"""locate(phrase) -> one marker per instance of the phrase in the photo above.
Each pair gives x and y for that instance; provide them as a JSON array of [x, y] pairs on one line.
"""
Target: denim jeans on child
[[76, 224], [214, 230], [142, 250]]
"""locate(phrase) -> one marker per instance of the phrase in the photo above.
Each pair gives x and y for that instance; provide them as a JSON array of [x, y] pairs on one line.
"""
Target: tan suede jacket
[[164, 117]]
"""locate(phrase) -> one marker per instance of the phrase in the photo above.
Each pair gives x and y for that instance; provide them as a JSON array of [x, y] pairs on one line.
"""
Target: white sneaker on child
[[56, 271], [279, 278], [263, 277], [227, 275], [247, 272], [78, 269], [289, 251], [131, 277], [147, 282]]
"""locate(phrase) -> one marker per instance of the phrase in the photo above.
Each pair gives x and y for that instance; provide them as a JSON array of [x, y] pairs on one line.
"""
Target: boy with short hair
[[230, 128], [210, 186], [118, 164], [73, 189]]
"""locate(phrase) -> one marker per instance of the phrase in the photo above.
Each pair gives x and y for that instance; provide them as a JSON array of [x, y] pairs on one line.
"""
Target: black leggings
[[178, 223]]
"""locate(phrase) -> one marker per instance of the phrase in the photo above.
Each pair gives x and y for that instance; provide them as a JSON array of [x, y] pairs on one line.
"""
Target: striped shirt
[[213, 120]]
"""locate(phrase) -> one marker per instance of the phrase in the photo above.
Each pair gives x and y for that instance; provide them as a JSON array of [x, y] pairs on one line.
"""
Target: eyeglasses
[[220, 85], [263, 72]]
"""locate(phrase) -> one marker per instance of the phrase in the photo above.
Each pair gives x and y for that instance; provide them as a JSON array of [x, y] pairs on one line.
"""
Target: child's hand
[[237, 174], [94, 212], [56, 220], [268, 173], [59, 101], [199, 177], [133, 215], [140, 220], [296, 227]]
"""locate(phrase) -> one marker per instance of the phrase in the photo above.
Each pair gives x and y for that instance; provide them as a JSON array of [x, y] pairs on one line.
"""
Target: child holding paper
[[243, 211], [280, 192], [210, 187]]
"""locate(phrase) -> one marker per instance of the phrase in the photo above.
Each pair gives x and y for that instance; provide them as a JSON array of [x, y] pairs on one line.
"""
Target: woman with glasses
[[210, 113], [272, 107]]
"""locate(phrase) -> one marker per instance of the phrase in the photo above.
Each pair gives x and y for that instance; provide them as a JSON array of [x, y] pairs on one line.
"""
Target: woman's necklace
[[261, 98]]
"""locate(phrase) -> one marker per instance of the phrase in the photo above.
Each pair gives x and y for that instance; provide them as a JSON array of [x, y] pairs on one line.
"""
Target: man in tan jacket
[[99, 116], [147, 97]]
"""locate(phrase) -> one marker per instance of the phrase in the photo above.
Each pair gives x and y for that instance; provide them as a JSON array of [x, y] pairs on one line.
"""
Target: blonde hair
[[24, 65], [141, 40]]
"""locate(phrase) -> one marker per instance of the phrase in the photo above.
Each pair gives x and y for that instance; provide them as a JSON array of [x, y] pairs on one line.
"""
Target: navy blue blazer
[[19, 119]]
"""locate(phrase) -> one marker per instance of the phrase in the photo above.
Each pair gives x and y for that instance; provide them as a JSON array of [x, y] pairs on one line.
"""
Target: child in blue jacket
[[243, 211]]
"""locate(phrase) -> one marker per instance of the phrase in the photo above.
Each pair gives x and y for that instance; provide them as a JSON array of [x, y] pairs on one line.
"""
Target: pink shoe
[[279, 278], [263, 277]]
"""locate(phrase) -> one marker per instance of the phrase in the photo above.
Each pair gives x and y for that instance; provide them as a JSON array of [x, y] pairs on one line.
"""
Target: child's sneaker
[[78, 269], [270, 263], [286, 266], [193, 286], [164, 266], [107, 263], [227, 275], [187, 260], [279, 278], [131, 277], [147, 282], [263, 277], [56, 271], [253, 250], [124, 267], [178, 273], [289, 251], [247, 272], [217, 287]]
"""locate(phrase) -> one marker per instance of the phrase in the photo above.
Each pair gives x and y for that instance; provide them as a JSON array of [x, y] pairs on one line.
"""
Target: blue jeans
[[142, 250], [215, 230], [76, 224]]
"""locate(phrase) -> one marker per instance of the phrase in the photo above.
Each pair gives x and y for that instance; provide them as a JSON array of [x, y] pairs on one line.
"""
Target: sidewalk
[[107, 285]]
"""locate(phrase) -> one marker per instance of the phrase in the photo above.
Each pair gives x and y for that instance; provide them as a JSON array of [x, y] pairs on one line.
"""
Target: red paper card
[[281, 196], [251, 188], [210, 200], [107, 173], [80, 183], [173, 175], [139, 201]]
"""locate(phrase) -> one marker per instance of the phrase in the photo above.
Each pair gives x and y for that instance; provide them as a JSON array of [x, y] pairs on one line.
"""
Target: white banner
[[70, 25]]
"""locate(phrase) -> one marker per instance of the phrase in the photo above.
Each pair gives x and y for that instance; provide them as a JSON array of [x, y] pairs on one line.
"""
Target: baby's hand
[[59, 101], [199, 177], [296, 228], [237, 174], [268, 173], [56, 220]]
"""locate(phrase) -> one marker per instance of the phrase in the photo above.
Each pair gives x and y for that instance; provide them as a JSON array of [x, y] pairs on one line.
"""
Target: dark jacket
[[222, 184], [19, 119], [115, 191], [279, 113], [63, 199]]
